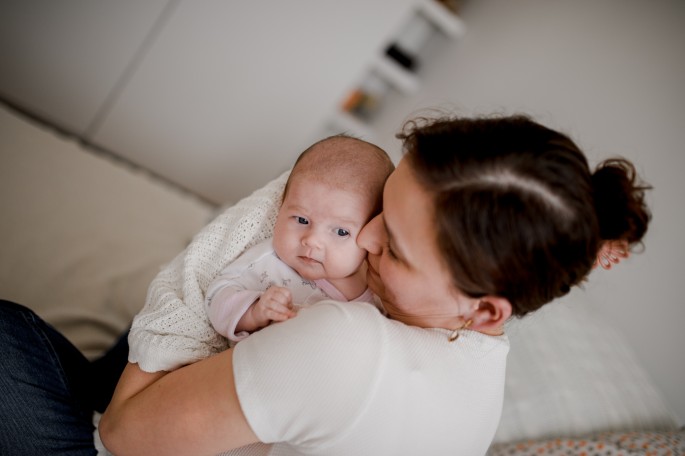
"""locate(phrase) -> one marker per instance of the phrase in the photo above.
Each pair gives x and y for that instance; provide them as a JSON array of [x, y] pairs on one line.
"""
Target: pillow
[[666, 443], [83, 235], [569, 374]]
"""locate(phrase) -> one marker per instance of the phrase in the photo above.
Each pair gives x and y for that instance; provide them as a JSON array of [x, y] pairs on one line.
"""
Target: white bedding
[[570, 374], [81, 236]]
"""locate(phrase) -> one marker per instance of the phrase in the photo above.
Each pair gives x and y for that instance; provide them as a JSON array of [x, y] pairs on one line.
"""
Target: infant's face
[[317, 227]]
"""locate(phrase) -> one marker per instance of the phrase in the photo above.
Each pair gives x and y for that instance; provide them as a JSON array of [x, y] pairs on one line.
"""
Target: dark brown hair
[[518, 212]]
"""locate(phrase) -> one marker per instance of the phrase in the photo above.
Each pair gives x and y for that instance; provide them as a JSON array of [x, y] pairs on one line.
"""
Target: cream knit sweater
[[173, 329]]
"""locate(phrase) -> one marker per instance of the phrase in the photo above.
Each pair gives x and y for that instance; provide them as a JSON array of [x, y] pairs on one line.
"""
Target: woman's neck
[[440, 321]]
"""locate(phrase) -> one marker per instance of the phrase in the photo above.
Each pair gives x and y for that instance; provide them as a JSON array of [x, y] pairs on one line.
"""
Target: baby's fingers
[[277, 304], [280, 314], [277, 296]]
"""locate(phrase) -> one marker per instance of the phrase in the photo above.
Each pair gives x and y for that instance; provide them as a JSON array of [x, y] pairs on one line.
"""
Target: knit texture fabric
[[173, 329]]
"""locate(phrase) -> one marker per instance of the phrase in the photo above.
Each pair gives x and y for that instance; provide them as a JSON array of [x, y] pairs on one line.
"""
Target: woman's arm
[[192, 410]]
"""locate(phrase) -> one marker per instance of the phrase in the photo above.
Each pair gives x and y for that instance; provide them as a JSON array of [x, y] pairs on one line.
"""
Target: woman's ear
[[490, 313]]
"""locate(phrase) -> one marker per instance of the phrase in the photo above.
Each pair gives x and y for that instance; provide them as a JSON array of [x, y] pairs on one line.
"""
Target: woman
[[483, 219]]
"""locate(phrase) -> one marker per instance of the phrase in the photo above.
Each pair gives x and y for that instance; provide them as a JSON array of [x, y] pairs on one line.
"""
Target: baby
[[335, 187]]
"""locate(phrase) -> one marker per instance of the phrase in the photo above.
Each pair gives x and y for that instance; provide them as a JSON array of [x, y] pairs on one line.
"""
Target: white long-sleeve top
[[240, 284]]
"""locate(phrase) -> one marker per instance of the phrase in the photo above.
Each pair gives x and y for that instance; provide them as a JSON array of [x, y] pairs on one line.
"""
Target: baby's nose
[[312, 240]]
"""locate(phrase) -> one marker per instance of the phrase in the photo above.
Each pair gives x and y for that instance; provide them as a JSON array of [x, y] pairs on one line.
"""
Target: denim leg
[[106, 371], [44, 380]]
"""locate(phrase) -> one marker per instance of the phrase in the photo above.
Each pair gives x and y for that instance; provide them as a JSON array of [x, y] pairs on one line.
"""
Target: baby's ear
[[490, 313]]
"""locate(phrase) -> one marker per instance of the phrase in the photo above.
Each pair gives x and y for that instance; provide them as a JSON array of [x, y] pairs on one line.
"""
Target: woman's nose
[[371, 236]]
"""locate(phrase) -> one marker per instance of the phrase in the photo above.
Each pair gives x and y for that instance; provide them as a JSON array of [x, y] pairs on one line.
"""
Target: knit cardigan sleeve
[[173, 329]]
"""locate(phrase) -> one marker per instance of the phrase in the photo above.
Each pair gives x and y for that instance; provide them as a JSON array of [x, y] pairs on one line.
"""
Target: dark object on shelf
[[412, 38], [398, 55]]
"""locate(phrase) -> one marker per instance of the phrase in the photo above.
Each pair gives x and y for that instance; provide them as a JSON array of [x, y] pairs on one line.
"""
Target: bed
[[82, 234]]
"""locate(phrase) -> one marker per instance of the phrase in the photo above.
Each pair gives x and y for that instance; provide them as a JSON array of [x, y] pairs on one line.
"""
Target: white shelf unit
[[403, 80], [385, 72], [445, 20]]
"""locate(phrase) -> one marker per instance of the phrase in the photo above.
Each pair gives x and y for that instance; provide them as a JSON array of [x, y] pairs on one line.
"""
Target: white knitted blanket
[[172, 329]]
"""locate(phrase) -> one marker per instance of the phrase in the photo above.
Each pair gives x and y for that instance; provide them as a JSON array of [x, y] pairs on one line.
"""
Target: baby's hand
[[275, 304]]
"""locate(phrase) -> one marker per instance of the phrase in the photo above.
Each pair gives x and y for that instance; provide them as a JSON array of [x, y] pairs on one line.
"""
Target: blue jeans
[[48, 389]]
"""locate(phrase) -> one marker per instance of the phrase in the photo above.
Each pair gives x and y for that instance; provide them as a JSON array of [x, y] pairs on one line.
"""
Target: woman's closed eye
[[391, 253]]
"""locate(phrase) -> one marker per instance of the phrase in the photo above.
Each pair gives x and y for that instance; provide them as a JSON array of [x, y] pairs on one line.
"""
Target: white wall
[[198, 92], [611, 73]]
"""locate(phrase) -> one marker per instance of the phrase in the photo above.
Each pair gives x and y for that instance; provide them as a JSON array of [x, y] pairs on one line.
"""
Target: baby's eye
[[342, 232], [302, 220]]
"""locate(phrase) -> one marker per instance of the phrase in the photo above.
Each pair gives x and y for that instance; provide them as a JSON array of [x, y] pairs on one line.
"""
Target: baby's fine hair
[[519, 214], [347, 163]]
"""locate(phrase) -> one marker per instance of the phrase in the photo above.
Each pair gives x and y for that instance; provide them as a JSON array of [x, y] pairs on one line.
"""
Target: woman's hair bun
[[619, 201]]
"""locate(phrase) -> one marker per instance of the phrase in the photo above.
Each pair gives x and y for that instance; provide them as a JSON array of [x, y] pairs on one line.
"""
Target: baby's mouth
[[308, 260]]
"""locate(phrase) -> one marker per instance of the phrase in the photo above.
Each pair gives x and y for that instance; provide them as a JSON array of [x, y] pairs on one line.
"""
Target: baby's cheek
[[283, 242], [358, 255]]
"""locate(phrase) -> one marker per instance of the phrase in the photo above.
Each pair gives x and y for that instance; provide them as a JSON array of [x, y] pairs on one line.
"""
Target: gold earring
[[457, 331]]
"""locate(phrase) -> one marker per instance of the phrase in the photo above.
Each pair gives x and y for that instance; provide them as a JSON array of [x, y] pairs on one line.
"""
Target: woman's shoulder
[[351, 311], [350, 335], [328, 322], [365, 320], [357, 329]]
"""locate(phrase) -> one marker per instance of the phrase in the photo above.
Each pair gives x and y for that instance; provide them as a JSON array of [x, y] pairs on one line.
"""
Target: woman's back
[[363, 384]]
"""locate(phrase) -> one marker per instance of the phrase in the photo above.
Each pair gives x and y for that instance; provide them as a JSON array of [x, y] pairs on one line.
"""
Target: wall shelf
[[395, 68], [445, 20], [401, 79]]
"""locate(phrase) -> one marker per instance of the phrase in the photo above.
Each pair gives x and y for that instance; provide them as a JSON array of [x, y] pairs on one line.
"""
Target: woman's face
[[405, 267]]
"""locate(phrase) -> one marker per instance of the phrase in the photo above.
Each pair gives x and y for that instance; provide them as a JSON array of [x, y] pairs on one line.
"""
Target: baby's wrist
[[257, 316], [250, 321]]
